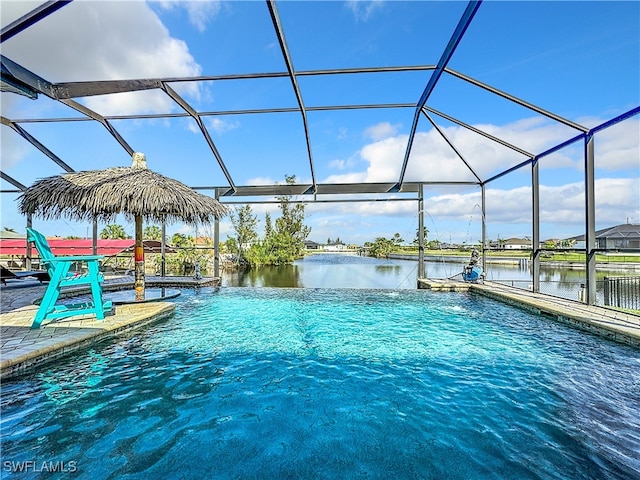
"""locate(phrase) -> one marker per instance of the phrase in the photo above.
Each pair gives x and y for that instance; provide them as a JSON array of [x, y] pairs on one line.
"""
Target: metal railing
[[622, 292], [615, 292], [559, 288]]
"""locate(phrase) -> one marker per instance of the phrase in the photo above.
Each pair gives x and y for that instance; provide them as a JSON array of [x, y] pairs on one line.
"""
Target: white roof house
[[517, 244]]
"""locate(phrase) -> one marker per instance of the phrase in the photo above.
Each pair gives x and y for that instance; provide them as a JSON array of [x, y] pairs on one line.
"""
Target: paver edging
[[594, 326], [589, 324], [24, 363]]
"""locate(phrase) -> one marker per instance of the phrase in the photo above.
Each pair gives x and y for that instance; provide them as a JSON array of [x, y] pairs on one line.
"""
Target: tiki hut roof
[[130, 191]]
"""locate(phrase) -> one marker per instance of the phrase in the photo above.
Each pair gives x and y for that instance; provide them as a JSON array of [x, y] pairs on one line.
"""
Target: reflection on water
[[352, 271], [330, 271], [383, 269], [284, 276]]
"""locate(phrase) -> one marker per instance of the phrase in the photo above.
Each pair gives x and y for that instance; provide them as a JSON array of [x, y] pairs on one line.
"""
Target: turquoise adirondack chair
[[58, 269]]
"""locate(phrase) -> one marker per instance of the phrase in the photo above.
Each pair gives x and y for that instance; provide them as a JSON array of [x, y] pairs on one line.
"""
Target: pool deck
[[613, 324], [23, 349]]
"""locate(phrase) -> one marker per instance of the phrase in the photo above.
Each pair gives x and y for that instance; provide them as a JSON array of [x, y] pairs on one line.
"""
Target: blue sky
[[579, 60]]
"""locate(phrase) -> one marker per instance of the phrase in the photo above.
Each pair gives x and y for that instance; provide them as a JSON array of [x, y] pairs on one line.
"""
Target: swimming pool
[[321, 383]]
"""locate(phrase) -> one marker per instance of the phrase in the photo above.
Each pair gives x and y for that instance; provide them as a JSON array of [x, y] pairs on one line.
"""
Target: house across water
[[626, 235]]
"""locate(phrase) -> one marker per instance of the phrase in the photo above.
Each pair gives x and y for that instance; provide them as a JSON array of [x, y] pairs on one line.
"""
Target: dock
[[23, 349], [613, 324], [443, 285]]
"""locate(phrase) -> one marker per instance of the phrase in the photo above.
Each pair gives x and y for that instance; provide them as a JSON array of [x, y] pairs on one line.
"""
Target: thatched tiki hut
[[136, 192]]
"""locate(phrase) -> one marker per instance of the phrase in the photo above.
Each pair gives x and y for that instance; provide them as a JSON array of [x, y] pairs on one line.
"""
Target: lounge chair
[[58, 270], [40, 275]]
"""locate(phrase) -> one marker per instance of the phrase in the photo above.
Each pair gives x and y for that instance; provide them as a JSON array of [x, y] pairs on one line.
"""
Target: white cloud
[[381, 131], [355, 177], [618, 147], [363, 208], [344, 164], [13, 148], [384, 158], [114, 40], [371, 209], [200, 12], [432, 159], [616, 199], [337, 164], [261, 181], [333, 223], [363, 10], [221, 126], [534, 134]]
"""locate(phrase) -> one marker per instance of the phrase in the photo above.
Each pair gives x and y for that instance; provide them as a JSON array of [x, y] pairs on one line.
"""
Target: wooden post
[[216, 242], [94, 237], [29, 250], [139, 261], [163, 249]]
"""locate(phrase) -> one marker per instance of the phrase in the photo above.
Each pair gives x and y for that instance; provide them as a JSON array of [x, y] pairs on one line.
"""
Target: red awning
[[63, 247]]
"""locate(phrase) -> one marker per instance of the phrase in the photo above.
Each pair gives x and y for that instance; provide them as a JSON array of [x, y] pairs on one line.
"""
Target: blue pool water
[[245, 383]]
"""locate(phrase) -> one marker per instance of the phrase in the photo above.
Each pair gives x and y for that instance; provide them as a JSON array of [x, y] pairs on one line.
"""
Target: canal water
[[353, 271], [331, 271]]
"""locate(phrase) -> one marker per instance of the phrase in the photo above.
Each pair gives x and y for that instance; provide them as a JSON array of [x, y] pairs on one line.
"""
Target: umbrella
[[136, 192]]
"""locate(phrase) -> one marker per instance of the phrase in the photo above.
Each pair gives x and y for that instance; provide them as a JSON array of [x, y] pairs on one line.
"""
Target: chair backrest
[[6, 273], [42, 246]]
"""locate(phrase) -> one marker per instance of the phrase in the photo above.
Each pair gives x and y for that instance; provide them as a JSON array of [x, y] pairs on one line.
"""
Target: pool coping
[[23, 349], [615, 325]]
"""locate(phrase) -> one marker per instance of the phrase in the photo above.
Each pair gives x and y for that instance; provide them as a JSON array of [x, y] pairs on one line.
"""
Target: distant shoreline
[[506, 260]]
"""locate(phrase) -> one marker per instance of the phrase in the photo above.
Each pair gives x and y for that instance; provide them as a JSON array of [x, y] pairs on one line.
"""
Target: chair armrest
[[75, 258]]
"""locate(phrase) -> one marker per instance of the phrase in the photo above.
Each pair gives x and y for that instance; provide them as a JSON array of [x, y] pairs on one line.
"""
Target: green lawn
[[546, 256]]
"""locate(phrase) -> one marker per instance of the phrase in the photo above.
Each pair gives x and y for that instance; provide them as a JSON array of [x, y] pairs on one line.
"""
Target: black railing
[[622, 292]]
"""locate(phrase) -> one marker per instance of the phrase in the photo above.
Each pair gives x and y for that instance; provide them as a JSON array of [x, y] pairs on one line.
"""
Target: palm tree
[[152, 232], [425, 234], [114, 231]]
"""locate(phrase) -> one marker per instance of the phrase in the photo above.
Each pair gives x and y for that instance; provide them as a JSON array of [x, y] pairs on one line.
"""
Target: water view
[[352, 271], [316, 383], [330, 271]]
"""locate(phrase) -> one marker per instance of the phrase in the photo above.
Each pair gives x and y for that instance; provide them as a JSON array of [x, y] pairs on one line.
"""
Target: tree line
[[381, 247], [283, 240]]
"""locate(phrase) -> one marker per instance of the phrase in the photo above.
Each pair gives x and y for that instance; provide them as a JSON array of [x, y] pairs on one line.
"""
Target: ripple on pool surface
[[293, 383]]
